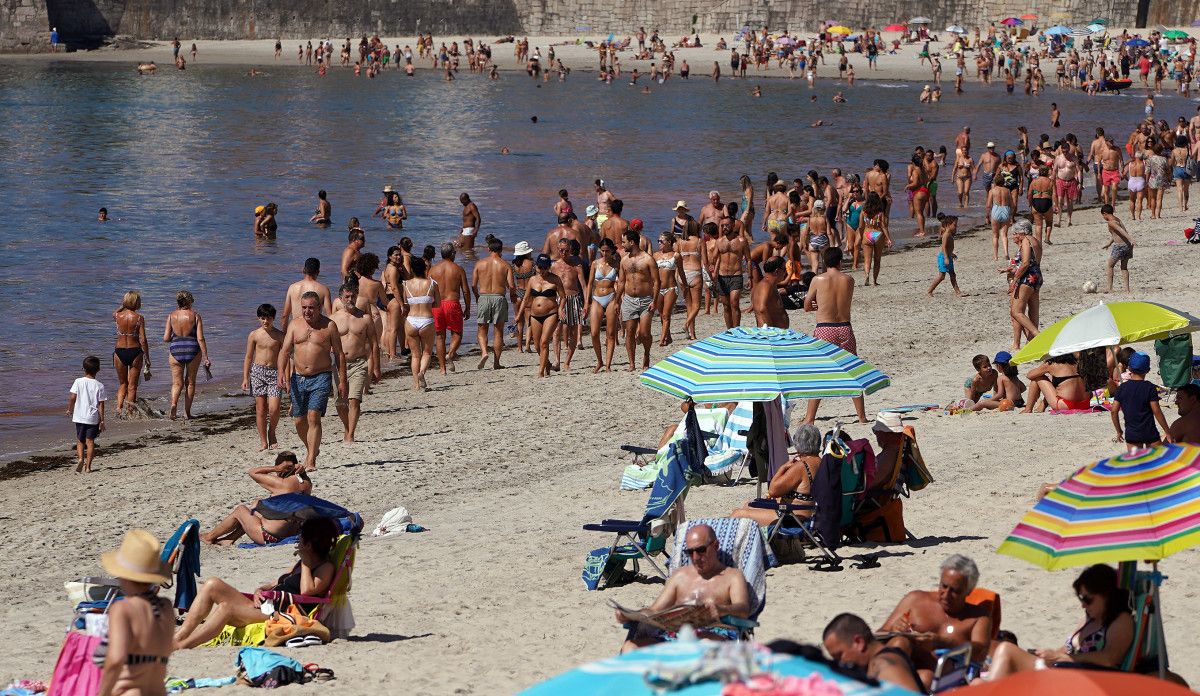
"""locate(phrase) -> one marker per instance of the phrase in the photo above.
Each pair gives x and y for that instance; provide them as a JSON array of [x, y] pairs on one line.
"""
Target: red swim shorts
[[1110, 177], [839, 334], [448, 315], [1066, 188]]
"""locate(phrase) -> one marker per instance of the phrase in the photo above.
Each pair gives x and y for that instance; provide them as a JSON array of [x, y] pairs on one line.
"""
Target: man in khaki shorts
[[493, 285], [360, 342]]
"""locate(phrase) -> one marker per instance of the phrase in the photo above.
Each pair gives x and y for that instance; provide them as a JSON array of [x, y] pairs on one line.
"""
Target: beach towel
[[268, 669], [730, 445], [75, 674], [912, 408], [254, 634], [186, 543], [636, 477]]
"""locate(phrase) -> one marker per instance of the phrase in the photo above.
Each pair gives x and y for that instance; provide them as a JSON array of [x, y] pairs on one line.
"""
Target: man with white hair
[[714, 211], [941, 618]]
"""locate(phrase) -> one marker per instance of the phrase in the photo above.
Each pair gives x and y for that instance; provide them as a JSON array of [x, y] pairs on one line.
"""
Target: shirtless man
[[1186, 429], [614, 226], [850, 641], [942, 618], [637, 286], [777, 245], [764, 298], [563, 230], [1094, 151], [878, 181], [706, 580], [259, 377], [309, 283], [356, 240], [604, 199], [1111, 163], [726, 272], [312, 340], [360, 343], [714, 210], [1066, 181], [830, 296], [449, 315], [493, 285], [962, 141], [471, 222], [985, 168], [569, 268], [324, 214]]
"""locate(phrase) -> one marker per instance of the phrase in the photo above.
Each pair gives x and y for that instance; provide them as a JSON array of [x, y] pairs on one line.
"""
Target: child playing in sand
[[86, 408], [1009, 386], [984, 380], [1137, 399], [945, 258], [259, 374], [1121, 243]]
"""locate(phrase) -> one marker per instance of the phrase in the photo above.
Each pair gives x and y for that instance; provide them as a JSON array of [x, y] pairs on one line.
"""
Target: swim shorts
[[945, 265], [573, 310], [1121, 252], [264, 381], [632, 308], [493, 309], [468, 231], [448, 316], [310, 393], [1110, 177], [87, 431], [839, 333], [726, 284], [1066, 188], [356, 378]]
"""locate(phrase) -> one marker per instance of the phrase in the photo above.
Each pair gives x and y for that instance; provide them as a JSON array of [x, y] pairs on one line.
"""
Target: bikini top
[[121, 333], [611, 275], [666, 263], [422, 299], [522, 276], [549, 293]]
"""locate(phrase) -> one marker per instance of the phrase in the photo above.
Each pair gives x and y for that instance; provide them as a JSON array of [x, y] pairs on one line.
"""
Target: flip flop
[[321, 674]]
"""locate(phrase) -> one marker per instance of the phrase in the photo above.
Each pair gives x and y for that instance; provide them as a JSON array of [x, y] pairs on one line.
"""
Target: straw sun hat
[[137, 559]]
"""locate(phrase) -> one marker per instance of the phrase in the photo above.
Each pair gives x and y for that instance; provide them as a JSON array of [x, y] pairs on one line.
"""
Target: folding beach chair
[[953, 669], [879, 512], [642, 539], [741, 546], [333, 607], [715, 455], [181, 552]]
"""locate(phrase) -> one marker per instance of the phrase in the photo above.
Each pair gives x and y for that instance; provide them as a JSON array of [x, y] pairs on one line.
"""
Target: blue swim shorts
[[310, 393], [945, 265]]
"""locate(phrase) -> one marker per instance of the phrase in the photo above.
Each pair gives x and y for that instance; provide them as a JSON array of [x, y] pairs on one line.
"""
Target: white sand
[[504, 469]]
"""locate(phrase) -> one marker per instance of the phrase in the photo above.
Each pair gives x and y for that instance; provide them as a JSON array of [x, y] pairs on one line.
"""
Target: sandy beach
[[504, 469]]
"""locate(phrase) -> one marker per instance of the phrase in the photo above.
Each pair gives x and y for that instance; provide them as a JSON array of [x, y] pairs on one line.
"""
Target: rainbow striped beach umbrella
[[760, 364], [1142, 506]]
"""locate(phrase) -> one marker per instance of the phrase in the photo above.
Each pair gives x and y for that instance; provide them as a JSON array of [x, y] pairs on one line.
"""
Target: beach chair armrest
[[768, 504], [296, 598], [738, 622], [640, 451], [614, 526]]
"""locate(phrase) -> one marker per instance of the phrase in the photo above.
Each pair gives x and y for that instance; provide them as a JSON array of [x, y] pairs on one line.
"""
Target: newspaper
[[671, 618]]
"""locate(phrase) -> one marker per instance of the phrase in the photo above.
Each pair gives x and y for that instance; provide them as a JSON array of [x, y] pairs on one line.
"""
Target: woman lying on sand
[[286, 476]]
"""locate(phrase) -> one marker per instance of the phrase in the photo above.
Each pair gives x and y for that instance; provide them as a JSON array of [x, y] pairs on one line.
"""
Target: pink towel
[[75, 674]]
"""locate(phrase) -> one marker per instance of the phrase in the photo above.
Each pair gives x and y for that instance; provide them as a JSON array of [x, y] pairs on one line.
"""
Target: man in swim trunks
[[985, 169], [494, 285], [604, 199], [324, 214], [569, 268], [637, 286], [1094, 151], [312, 341], [355, 241], [764, 297], [360, 343], [309, 283], [260, 377], [449, 315], [471, 222], [714, 210], [1066, 180], [705, 581], [1111, 162], [850, 641], [830, 295], [726, 272]]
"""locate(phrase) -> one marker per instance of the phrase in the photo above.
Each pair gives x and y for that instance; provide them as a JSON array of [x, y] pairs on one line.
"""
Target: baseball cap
[[1139, 363], [1003, 357], [991, 144]]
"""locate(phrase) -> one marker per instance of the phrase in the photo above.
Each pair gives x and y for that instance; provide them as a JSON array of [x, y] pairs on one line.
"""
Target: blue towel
[[593, 567], [187, 536]]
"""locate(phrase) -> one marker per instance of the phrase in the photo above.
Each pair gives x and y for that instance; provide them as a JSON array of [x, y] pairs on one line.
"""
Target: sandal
[[315, 673]]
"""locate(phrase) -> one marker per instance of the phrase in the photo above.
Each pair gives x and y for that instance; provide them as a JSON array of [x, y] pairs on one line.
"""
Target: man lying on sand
[[706, 581], [286, 476], [941, 618]]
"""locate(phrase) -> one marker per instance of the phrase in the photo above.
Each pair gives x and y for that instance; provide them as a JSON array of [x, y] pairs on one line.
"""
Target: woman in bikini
[[563, 205], [1135, 169], [670, 277], [184, 336], [747, 204], [522, 264], [1026, 284], [219, 604], [962, 177], [793, 479], [545, 310], [393, 276], [874, 235], [133, 657], [601, 291], [1041, 202], [132, 349], [1059, 383], [285, 476], [396, 212], [421, 295], [918, 192], [691, 254], [1000, 215], [1179, 169]]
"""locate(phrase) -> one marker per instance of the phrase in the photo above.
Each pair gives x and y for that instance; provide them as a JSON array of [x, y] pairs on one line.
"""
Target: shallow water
[[180, 160]]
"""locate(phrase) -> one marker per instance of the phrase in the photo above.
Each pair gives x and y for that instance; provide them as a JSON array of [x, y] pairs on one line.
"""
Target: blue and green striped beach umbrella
[[759, 364]]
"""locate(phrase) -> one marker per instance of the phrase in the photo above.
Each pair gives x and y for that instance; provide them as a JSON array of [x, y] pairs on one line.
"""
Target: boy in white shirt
[[86, 408]]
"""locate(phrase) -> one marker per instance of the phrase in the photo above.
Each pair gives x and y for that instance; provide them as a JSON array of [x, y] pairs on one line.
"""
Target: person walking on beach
[[1067, 177], [1111, 163], [471, 222], [764, 297], [86, 409], [360, 343], [355, 241], [184, 336], [637, 288], [132, 350], [308, 283], [1121, 243], [945, 257], [260, 377], [830, 295], [569, 269], [309, 344], [449, 315], [732, 252], [494, 285]]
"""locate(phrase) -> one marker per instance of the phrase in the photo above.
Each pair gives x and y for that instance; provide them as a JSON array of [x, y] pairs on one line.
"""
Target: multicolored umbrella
[[1139, 506], [895, 27], [1108, 325], [760, 364], [1012, 22], [1083, 31]]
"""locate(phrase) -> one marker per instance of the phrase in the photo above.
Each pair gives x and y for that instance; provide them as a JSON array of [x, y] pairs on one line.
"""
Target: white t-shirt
[[88, 393]]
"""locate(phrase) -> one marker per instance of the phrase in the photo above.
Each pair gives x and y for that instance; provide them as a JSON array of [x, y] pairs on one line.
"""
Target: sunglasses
[[697, 550]]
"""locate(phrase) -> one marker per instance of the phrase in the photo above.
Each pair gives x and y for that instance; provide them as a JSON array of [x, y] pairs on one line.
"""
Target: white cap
[[991, 144]]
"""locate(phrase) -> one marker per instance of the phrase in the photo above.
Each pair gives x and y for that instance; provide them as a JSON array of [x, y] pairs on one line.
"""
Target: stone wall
[[24, 24]]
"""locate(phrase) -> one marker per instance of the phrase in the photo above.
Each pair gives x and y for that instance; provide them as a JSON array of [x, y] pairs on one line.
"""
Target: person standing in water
[[324, 214], [471, 222]]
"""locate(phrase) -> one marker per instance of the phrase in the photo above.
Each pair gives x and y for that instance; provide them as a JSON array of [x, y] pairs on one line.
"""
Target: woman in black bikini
[[219, 604], [132, 350], [1058, 381], [542, 295], [1041, 202], [134, 655]]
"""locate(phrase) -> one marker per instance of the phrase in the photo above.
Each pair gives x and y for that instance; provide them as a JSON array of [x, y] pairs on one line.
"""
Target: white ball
[[1089, 286]]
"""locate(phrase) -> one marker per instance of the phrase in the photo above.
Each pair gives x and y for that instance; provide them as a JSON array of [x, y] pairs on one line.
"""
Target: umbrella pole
[[1158, 627]]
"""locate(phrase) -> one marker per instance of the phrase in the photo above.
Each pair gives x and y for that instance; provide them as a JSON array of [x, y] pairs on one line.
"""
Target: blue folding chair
[[642, 539]]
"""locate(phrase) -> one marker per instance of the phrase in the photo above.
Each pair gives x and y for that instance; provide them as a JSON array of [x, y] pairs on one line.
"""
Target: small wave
[[888, 85]]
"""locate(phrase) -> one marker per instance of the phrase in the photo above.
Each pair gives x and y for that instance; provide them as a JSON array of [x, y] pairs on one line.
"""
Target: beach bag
[[884, 524], [281, 627], [266, 669]]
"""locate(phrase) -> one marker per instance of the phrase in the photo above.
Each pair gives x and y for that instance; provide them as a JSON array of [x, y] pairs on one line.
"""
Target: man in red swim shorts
[[830, 295], [449, 315]]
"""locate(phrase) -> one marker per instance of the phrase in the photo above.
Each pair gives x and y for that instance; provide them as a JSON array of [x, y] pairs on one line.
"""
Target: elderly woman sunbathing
[[286, 476], [220, 604], [793, 479]]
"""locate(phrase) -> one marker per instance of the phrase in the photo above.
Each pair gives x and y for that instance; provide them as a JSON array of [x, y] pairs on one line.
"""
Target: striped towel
[[636, 477], [731, 444]]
